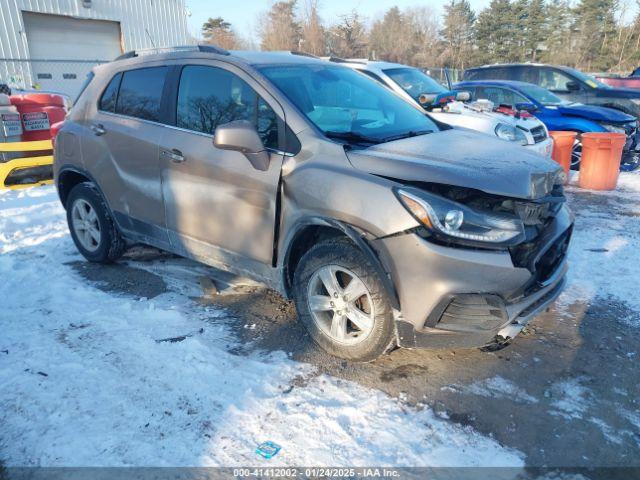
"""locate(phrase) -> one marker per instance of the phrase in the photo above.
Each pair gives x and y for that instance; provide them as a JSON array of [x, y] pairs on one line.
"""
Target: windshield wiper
[[352, 137], [408, 134]]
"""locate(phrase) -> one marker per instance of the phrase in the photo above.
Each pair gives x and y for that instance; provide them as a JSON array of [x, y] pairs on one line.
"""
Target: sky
[[242, 14]]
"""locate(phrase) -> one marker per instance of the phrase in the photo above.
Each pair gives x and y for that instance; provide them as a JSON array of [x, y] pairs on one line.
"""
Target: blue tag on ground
[[268, 449]]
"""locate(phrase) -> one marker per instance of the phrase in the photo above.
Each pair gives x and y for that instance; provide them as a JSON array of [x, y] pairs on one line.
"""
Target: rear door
[[218, 207], [122, 153]]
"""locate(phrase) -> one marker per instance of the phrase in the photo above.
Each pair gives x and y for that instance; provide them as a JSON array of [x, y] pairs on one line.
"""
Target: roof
[[280, 57], [525, 64], [211, 51], [358, 62], [503, 83]]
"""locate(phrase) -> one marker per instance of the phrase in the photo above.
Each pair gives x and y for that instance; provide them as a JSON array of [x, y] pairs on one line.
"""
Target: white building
[[52, 44]]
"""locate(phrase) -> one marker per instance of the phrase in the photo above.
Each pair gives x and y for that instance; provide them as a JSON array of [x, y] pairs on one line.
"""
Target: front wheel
[[342, 302]]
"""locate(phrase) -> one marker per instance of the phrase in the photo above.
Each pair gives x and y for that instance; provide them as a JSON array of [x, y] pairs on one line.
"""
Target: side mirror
[[526, 107], [572, 86], [463, 96], [242, 136]]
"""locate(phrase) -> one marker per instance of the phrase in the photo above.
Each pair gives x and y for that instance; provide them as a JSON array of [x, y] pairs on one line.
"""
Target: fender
[[356, 237], [80, 171]]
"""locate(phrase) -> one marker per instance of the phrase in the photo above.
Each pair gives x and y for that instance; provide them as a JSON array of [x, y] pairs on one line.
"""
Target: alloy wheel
[[340, 304], [86, 225]]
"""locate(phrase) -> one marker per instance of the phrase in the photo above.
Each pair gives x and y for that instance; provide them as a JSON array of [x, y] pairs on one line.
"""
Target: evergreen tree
[[457, 34], [494, 29], [595, 27]]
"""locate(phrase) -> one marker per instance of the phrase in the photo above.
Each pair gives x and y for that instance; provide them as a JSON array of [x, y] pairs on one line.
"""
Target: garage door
[[78, 41]]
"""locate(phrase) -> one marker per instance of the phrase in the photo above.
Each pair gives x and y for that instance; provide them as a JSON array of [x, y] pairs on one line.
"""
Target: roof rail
[[181, 48], [303, 54]]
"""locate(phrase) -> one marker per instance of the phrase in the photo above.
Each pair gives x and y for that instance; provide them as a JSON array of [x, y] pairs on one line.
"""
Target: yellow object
[[7, 168]]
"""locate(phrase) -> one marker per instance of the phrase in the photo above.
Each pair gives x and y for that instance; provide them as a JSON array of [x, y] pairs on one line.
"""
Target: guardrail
[[21, 169]]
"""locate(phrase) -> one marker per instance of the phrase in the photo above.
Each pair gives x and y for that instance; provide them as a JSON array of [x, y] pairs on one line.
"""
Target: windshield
[[541, 95], [345, 104], [414, 81], [588, 79]]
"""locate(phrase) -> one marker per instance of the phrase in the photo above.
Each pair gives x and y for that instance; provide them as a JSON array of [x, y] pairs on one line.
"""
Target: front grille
[[539, 134], [551, 259]]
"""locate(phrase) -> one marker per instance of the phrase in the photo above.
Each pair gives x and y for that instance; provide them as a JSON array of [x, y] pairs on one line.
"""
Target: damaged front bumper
[[457, 297]]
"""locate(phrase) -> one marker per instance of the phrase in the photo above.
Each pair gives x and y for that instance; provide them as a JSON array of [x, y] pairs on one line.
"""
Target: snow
[[571, 398], [499, 387], [85, 382], [604, 252]]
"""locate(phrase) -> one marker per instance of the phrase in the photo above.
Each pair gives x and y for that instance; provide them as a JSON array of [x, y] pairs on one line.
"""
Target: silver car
[[385, 228]]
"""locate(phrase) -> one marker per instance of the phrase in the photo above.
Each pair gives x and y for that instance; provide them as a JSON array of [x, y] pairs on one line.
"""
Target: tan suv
[[385, 227]]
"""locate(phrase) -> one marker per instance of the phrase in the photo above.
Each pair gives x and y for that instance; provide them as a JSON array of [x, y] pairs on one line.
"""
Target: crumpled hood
[[593, 112], [461, 158]]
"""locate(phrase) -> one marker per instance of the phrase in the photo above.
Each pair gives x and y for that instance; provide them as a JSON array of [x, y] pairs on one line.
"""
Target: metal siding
[[164, 19]]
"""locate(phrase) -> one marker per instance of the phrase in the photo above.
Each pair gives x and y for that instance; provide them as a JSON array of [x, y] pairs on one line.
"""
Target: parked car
[[385, 227], [558, 114], [568, 83], [421, 90]]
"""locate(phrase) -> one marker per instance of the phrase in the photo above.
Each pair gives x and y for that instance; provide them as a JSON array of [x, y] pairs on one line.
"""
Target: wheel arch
[[70, 176], [312, 230]]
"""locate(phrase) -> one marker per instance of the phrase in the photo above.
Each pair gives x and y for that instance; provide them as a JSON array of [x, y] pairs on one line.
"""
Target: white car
[[421, 90]]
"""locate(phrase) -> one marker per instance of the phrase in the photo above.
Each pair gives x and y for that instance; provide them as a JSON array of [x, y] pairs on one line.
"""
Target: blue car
[[558, 114]]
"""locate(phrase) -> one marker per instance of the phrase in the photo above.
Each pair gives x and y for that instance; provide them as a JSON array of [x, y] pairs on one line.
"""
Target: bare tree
[[349, 38], [424, 31], [278, 28], [313, 33]]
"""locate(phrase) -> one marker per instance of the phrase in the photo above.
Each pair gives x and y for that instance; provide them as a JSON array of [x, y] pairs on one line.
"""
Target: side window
[[210, 96], [110, 95], [554, 80], [501, 96], [141, 92]]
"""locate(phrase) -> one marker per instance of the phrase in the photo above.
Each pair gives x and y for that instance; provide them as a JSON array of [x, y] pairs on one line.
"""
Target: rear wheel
[[342, 302], [92, 228]]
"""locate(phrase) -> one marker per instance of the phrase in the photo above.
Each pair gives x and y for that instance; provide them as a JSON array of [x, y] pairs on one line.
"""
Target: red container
[[600, 162], [562, 148], [38, 112]]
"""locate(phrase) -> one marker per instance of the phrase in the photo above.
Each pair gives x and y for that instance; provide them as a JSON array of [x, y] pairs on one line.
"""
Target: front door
[[556, 81], [218, 207]]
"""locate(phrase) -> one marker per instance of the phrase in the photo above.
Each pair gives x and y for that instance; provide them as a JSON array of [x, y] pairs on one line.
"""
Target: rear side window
[[110, 95], [141, 92], [210, 96]]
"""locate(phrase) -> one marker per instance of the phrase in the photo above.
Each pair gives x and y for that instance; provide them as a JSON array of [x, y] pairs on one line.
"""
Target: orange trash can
[[563, 148], [600, 163]]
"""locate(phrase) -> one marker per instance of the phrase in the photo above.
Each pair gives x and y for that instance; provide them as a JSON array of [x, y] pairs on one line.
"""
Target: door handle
[[174, 155], [98, 129]]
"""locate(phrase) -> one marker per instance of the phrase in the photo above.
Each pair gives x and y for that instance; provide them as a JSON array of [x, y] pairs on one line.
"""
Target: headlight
[[613, 128], [452, 221], [511, 133]]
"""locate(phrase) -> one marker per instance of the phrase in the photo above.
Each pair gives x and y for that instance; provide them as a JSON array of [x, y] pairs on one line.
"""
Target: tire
[[108, 245], [348, 340]]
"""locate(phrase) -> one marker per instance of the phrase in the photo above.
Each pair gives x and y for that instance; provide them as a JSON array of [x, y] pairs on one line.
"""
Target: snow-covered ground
[[83, 380]]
